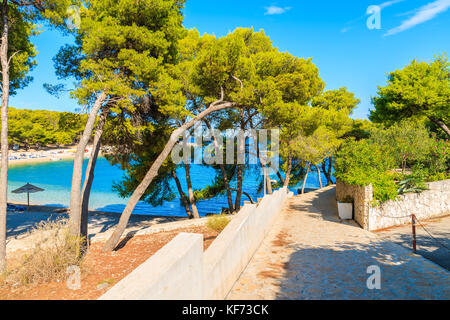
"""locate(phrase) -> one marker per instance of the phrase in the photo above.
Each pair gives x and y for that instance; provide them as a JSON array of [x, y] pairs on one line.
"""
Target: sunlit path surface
[[310, 254]]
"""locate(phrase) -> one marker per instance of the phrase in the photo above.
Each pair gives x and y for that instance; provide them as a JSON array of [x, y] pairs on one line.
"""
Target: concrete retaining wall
[[427, 204], [181, 270], [173, 273], [230, 253]]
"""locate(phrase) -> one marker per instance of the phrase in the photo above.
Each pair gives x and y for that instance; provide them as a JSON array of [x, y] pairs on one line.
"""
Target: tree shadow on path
[[340, 272]]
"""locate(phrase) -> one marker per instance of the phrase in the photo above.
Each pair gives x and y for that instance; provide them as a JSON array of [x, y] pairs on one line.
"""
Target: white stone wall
[[230, 253], [427, 204], [181, 270], [362, 199], [173, 273]]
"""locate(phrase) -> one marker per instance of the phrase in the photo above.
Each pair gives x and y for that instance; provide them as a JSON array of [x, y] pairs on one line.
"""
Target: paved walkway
[[310, 254], [436, 250]]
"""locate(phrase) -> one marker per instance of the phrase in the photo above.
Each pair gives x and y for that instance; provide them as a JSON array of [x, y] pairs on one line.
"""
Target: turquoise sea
[[55, 177]]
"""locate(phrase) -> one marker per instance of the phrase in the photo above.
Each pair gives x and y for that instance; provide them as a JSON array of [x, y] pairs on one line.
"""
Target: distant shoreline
[[58, 157], [49, 155]]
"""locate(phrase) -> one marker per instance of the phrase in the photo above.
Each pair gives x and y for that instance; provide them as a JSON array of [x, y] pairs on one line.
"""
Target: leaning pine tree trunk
[[237, 201], [441, 124], [330, 168], [222, 169], [320, 178], [306, 177], [288, 173], [327, 171], [266, 179], [187, 169], [280, 177], [240, 167], [4, 135], [184, 199], [227, 187], [190, 191], [268, 182], [75, 192], [153, 171], [89, 176]]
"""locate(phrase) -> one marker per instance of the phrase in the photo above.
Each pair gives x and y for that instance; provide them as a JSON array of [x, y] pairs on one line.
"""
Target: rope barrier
[[429, 233], [392, 217], [409, 216]]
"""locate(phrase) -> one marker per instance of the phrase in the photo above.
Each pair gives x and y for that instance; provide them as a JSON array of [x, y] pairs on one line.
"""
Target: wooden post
[[28, 201]]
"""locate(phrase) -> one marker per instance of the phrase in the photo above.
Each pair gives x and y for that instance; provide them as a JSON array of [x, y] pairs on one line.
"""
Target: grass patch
[[107, 281], [218, 222], [52, 253]]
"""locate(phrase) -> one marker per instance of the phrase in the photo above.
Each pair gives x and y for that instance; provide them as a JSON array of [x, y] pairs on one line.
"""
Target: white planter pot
[[345, 210]]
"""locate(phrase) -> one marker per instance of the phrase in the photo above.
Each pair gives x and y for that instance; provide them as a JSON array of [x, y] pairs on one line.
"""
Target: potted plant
[[345, 208]]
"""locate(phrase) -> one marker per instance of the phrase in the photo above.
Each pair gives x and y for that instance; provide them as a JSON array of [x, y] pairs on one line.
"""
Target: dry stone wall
[[360, 196], [427, 204]]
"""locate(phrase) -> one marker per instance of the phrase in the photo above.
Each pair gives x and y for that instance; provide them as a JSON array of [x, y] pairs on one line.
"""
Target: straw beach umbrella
[[28, 188]]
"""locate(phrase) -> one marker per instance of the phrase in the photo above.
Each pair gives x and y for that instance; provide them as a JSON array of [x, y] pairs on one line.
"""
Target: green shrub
[[364, 162], [359, 162], [384, 188], [370, 162], [408, 141], [438, 160], [438, 177], [218, 222]]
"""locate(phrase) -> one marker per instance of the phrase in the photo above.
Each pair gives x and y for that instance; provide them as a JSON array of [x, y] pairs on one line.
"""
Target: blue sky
[[333, 33]]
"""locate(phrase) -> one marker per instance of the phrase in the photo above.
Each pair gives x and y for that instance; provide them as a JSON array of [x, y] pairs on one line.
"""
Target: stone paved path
[[436, 250], [310, 254]]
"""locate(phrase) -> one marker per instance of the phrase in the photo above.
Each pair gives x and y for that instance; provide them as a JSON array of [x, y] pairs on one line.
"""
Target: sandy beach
[[46, 158], [43, 155]]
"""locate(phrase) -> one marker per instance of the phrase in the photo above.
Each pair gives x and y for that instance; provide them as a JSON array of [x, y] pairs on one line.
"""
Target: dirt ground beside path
[[104, 269]]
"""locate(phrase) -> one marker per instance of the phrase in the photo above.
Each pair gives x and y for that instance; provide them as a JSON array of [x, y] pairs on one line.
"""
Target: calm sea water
[[56, 176]]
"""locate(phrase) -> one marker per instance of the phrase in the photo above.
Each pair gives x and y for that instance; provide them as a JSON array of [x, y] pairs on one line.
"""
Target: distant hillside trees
[[39, 128]]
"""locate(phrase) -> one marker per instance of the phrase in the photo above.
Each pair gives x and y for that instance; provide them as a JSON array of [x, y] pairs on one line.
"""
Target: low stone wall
[[181, 270], [427, 204], [230, 253], [177, 265], [362, 198]]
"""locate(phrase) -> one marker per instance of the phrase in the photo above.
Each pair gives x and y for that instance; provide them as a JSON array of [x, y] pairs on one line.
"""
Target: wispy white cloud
[[389, 3], [344, 30], [276, 10], [421, 15]]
